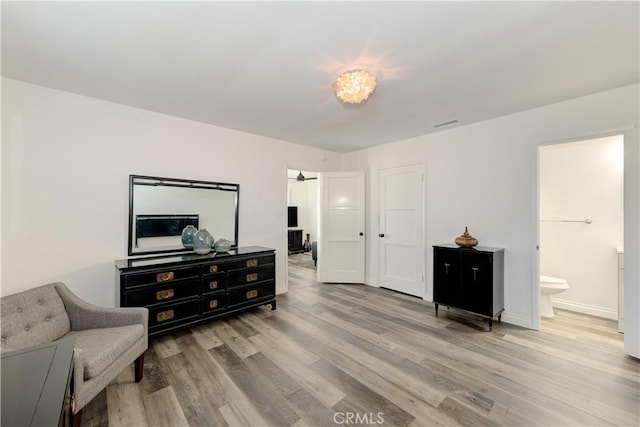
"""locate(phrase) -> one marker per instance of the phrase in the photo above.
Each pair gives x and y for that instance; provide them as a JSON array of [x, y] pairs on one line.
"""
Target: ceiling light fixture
[[354, 86]]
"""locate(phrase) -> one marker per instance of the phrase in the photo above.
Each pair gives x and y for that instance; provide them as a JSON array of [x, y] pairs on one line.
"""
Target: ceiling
[[267, 68]]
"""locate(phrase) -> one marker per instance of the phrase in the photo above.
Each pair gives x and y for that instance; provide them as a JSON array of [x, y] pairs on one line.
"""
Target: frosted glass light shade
[[355, 86]]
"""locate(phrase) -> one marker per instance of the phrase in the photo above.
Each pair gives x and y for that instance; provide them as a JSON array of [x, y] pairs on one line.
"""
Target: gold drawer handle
[[213, 269], [164, 315], [213, 303], [166, 294], [213, 285], [252, 294], [165, 277], [252, 263], [252, 277]]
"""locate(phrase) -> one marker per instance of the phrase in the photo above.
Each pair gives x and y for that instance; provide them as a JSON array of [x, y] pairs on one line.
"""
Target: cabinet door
[[476, 270], [446, 278], [291, 239]]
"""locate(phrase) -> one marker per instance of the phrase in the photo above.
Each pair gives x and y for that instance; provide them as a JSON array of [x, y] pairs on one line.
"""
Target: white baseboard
[[373, 285], [512, 319], [592, 310]]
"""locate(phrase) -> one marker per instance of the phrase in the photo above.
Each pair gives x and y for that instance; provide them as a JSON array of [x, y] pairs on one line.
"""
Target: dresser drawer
[[151, 295], [161, 316], [252, 262], [250, 275], [165, 275], [213, 268], [214, 303], [248, 294], [214, 283]]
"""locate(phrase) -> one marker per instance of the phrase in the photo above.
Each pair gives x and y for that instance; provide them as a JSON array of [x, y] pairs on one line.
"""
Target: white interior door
[[341, 227], [401, 232]]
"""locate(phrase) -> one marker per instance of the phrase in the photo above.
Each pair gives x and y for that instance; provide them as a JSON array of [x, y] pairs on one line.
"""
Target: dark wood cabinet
[[295, 240], [183, 290], [36, 385], [470, 279]]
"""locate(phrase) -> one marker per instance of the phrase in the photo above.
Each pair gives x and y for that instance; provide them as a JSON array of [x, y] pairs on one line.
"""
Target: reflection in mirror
[[160, 208]]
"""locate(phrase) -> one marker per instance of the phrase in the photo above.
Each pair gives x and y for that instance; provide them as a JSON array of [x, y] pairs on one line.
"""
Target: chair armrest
[[78, 370], [84, 315]]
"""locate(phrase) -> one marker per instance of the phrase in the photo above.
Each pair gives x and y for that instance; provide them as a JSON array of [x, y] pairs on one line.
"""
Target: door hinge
[[423, 278]]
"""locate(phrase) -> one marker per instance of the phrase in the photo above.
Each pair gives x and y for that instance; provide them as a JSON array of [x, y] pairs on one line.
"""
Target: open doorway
[[302, 227], [581, 213]]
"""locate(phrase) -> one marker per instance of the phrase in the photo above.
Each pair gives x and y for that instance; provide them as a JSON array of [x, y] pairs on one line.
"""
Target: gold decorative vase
[[466, 240]]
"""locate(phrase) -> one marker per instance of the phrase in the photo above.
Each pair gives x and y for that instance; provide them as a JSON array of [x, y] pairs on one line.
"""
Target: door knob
[[381, 234]]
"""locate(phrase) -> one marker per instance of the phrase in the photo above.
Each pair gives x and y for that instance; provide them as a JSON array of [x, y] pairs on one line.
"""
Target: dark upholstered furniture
[[107, 340], [314, 252]]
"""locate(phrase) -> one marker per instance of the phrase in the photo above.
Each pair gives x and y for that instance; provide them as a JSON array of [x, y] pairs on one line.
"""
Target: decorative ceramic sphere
[[466, 240], [202, 242], [187, 236], [222, 245]]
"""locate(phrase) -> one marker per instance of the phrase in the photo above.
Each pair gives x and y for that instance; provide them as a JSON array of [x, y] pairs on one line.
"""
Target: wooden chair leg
[[76, 419], [138, 367]]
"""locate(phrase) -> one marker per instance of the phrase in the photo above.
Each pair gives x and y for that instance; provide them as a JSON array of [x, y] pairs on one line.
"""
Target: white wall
[[581, 180], [484, 176], [66, 161]]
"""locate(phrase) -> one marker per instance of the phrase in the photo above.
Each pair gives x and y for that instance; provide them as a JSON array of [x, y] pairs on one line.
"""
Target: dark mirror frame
[[137, 180]]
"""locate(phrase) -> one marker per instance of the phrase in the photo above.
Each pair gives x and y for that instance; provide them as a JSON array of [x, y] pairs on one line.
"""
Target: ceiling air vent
[[447, 123]]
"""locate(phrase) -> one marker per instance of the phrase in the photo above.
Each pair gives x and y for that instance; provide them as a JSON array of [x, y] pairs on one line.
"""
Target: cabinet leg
[[436, 310], [273, 305], [490, 324], [500, 318]]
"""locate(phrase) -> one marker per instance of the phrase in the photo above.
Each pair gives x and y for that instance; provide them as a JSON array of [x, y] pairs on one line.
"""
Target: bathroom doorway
[[581, 228]]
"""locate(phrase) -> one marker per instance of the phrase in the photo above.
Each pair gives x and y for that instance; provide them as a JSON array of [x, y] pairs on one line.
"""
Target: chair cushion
[[101, 347], [33, 317]]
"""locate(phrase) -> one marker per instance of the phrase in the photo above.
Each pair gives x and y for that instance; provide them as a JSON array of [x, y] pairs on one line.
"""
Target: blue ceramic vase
[[202, 242], [187, 236], [222, 245]]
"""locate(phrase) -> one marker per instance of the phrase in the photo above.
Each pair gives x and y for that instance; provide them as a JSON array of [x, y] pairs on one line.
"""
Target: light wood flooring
[[340, 354]]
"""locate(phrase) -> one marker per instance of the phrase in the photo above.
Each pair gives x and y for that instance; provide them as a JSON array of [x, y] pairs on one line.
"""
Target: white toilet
[[549, 286]]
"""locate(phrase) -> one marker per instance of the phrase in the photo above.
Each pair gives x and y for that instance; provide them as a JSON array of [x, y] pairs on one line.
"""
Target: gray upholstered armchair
[[107, 340]]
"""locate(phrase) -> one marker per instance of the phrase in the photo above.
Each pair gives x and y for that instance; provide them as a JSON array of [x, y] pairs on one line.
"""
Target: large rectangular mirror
[[160, 208]]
